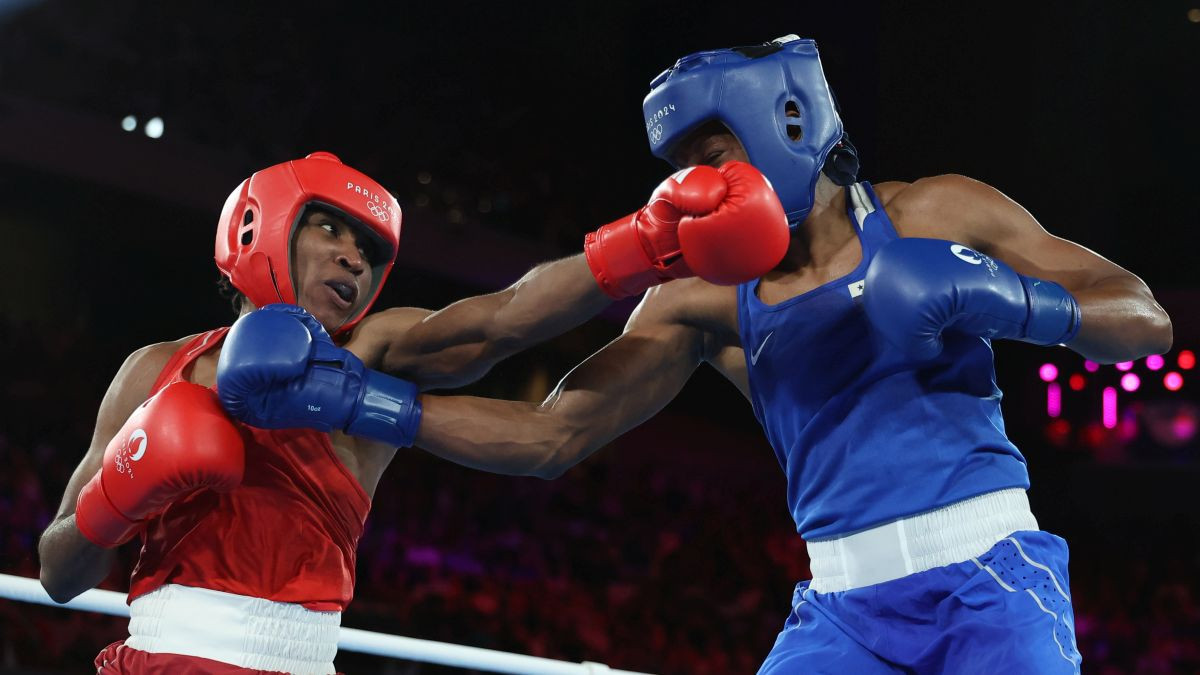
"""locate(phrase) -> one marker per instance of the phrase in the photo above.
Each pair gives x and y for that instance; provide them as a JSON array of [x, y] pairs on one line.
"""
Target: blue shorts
[[1007, 611]]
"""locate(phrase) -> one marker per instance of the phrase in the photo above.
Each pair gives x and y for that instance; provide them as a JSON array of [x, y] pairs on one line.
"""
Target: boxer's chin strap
[[841, 165]]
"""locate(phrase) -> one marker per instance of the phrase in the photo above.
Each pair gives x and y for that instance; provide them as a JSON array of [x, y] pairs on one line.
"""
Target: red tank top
[[289, 533]]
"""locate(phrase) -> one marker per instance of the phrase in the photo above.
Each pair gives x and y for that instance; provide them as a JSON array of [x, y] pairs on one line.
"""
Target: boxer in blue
[[866, 356]]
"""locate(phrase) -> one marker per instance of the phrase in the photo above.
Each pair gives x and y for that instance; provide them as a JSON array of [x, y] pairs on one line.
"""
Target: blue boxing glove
[[279, 369], [917, 288]]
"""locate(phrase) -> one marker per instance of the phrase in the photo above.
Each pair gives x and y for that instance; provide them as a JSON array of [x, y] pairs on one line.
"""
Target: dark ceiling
[[526, 116]]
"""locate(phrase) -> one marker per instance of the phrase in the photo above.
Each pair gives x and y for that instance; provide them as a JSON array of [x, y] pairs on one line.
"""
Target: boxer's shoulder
[[947, 206], [148, 361], [134, 380], [888, 191]]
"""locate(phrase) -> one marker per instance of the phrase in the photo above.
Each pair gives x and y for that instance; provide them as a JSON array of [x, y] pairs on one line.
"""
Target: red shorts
[[117, 658]]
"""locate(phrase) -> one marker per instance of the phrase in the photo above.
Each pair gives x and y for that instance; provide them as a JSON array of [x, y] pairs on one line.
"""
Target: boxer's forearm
[[1120, 322], [70, 564], [506, 437], [459, 344], [549, 300], [614, 390]]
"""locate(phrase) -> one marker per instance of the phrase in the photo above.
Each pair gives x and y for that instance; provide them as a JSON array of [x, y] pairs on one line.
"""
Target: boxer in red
[[248, 534]]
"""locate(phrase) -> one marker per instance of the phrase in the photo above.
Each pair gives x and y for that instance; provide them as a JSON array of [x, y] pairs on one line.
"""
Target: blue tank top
[[864, 434]]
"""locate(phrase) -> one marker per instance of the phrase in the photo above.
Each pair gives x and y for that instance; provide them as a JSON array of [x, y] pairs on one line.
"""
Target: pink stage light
[[1187, 360], [1048, 372], [1130, 382], [1173, 381], [1154, 362], [1091, 366], [1124, 366], [1108, 409], [1053, 399]]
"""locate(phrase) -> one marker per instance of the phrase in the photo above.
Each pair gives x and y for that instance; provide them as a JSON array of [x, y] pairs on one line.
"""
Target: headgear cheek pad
[[259, 219], [752, 90]]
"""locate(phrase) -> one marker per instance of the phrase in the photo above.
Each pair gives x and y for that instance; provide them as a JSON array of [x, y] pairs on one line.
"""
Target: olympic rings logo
[[132, 451], [656, 134], [378, 211]]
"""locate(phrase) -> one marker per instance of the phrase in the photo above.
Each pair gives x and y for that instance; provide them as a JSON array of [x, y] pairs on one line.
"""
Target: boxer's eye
[[794, 131], [717, 146]]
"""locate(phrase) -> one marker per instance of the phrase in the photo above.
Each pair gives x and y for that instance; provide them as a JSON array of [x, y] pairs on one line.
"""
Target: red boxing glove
[[723, 225], [177, 442]]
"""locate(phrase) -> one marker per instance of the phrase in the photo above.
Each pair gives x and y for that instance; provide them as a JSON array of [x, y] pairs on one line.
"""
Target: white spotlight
[[129, 123], [154, 127]]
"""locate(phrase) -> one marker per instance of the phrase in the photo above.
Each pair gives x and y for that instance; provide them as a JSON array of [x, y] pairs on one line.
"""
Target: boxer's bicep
[[967, 211]]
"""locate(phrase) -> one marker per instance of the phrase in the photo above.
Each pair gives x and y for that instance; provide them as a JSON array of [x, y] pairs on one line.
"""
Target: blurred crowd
[[669, 552]]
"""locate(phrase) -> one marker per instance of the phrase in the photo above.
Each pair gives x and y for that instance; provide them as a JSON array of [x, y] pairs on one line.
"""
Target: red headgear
[[258, 225]]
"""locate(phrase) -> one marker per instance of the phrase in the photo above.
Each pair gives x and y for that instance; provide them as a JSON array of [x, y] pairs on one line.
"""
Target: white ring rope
[[351, 640]]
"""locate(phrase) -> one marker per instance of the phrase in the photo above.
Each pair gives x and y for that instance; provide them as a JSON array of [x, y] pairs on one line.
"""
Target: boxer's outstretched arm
[[725, 225], [70, 563], [459, 344], [1121, 320], [614, 390]]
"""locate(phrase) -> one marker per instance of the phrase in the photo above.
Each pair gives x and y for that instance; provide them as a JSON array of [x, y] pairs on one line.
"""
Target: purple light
[[1048, 372], [1130, 382], [1127, 429], [1053, 399], [1108, 409], [1173, 381], [1091, 366], [1184, 427], [1124, 366], [1154, 362]]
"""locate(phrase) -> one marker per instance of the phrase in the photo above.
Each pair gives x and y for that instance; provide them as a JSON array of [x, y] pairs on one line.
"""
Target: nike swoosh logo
[[756, 352]]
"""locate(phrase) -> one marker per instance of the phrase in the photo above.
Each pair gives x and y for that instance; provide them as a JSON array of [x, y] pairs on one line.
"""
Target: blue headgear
[[751, 90]]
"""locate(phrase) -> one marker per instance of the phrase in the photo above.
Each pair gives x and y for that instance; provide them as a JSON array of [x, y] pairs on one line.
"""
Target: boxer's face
[[711, 144], [332, 271]]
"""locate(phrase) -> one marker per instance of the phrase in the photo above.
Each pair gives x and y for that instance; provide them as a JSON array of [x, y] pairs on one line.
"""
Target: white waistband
[[948, 535], [237, 629]]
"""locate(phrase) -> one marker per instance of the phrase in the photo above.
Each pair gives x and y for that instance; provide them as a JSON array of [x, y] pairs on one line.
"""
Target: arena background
[[507, 131]]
